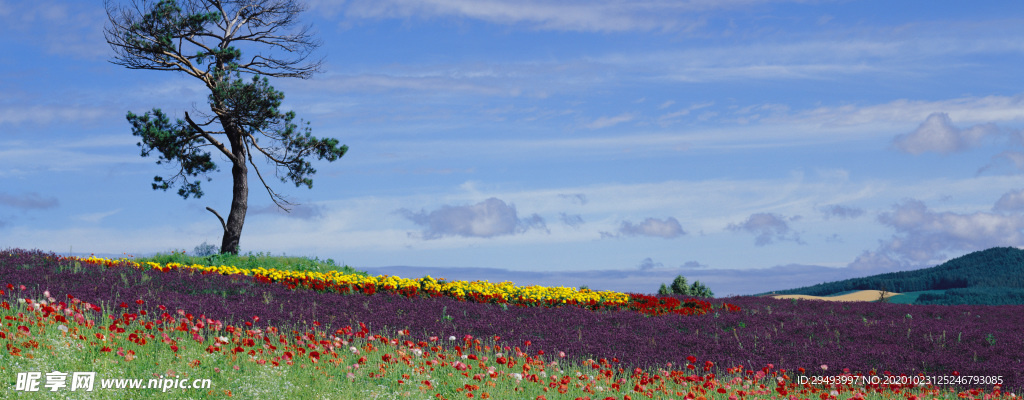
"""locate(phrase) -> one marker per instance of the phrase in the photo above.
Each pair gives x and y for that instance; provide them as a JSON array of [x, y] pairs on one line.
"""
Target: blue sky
[[751, 145]]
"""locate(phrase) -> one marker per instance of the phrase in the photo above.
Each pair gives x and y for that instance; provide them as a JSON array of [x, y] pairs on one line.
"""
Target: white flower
[[62, 328], [452, 338], [354, 350], [519, 376]]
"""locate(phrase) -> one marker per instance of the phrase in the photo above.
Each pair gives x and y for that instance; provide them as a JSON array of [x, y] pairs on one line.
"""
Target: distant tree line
[[992, 276], [992, 296], [679, 287]]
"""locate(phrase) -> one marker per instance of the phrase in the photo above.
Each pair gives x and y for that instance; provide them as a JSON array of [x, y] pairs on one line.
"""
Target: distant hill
[[992, 276]]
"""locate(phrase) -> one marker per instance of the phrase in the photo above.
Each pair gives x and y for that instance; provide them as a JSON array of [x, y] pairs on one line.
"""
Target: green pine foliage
[[680, 287], [993, 296]]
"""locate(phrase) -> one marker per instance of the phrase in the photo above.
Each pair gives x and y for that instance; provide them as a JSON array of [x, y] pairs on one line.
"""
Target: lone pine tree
[[245, 110]]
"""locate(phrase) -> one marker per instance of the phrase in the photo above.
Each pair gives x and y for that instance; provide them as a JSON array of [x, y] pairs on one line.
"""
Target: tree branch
[[210, 138], [273, 196], [222, 224], [253, 141]]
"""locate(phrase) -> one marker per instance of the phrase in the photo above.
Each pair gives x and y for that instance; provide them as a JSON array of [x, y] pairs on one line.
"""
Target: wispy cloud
[[1015, 158], [937, 134], [665, 119], [97, 217], [604, 122], [489, 218], [28, 201], [668, 228], [44, 115], [767, 228], [693, 265], [299, 211], [74, 28], [924, 236], [841, 211], [1012, 201], [589, 16], [968, 109], [576, 198], [398, 80], [22, 160], [648, 263], [828, 56], [573, 221]]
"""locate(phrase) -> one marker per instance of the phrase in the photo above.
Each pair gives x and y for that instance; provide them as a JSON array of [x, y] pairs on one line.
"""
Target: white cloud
[[28, 201], [667, 118], [604, 122], [396, 80], [668, 228], [840, 211], [573, 221], [1016, 158], [648, 263], [1011, 201], [900, 112], [35, 160], [96, 217], [544, 15], [300, 211], [693, 265], [43, 115], [575, 197], [489, 218], [72, 28], [828, 55], [924, 235], [880, 261], [767, 228], [937, 134], [775, 128]]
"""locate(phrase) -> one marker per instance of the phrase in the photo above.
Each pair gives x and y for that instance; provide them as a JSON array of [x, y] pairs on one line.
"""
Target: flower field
[[270, 333]]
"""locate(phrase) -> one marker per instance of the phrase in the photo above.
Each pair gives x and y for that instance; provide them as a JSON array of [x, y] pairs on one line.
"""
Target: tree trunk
[[239, 192]]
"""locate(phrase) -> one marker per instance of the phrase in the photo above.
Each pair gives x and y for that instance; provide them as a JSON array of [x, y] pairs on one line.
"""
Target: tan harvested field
[[863, 295]]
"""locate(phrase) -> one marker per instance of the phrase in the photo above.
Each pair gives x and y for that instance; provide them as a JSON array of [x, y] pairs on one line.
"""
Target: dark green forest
[[994, 276]]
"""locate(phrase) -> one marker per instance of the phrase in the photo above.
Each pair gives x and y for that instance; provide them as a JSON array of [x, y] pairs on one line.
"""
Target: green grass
[[252, 261]]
